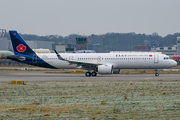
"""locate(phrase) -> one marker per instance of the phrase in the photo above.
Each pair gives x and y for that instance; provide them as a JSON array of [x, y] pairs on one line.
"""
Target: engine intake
[[105, 69]]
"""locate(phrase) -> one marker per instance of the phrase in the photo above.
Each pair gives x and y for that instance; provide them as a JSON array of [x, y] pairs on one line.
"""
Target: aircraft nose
[[173, 63]]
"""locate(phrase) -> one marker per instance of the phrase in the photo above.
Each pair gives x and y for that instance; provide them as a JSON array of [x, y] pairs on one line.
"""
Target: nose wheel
[[156, 74]]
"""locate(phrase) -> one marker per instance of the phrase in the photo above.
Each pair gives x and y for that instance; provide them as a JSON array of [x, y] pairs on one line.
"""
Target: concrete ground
[[62, 76]]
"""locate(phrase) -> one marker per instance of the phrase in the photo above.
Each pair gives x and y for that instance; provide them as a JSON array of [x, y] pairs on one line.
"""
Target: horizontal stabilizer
[[21, 58]]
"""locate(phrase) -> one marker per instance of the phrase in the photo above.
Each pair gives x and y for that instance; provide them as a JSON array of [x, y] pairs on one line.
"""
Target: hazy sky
[[65, 17]]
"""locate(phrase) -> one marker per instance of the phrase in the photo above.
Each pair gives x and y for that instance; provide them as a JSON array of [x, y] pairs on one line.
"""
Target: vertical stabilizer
[[19, 45]]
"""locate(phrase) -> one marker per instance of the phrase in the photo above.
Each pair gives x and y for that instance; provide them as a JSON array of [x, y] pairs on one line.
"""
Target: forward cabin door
[[156, 58]]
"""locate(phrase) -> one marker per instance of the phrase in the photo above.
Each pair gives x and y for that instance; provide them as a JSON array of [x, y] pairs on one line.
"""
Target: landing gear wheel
[[156, 74], [88, 74], [94, 73]]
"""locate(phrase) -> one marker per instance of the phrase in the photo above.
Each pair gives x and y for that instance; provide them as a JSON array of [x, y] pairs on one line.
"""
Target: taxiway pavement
[[6, 76]]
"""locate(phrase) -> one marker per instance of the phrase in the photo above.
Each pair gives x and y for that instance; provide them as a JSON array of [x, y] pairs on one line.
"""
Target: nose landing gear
[[156, 74]]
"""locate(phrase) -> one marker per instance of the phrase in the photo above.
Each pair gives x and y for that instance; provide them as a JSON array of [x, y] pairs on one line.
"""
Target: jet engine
[[105, 69]]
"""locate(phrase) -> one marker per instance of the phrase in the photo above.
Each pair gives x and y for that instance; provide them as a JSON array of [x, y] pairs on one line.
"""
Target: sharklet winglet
[[59, 56]]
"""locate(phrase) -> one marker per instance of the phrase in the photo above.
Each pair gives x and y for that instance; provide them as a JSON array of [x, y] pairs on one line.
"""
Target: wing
[[80, 64]]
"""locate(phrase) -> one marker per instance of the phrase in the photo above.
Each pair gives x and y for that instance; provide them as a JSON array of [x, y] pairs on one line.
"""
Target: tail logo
[[21, 48]]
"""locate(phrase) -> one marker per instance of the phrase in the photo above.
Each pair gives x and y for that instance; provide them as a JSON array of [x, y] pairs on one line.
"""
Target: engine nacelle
[[116, 71], [105, 69]]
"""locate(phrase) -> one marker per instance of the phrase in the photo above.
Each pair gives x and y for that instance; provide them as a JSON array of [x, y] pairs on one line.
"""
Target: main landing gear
[[156, 74], [88, 74]]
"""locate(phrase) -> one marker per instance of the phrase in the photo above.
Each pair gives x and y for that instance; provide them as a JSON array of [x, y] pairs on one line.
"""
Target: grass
[[91, 100]]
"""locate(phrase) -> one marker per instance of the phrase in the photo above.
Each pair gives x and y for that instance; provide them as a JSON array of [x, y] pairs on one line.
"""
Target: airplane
[[101, 63], [4, 54]]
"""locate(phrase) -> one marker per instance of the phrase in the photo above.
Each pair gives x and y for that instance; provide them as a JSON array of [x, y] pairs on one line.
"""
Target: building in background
[[89, 46], [178, 46], [61, 48], [97, 47], [41, 50], [34, 44], [143, 48], [70, 47], [3, 40], [166, 50], [81, 43]]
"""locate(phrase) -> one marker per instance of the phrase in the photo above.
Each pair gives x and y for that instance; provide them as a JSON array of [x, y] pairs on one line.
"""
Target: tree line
[[112, 41]]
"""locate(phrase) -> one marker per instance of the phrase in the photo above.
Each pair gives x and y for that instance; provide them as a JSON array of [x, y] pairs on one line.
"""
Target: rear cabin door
[[34, 59]]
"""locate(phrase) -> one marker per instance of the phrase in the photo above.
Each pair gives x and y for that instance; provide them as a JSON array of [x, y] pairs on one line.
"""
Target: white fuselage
[[118, 60]]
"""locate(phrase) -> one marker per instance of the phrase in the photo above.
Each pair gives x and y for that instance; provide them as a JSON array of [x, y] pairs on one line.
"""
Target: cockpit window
[[167, 58]]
